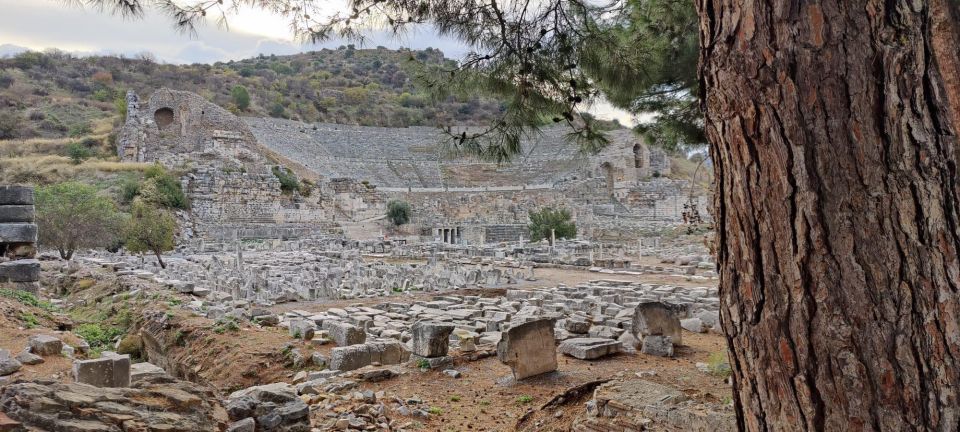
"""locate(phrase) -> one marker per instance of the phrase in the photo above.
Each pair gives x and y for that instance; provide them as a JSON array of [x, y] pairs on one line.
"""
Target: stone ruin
[[356, 170], [18, 237]]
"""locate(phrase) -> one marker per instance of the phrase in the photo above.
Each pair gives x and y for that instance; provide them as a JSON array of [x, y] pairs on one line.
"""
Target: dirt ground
[[485, 398]]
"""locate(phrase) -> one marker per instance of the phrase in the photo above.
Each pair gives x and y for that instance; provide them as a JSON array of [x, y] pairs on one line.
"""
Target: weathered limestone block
[[16, 195], [45, 345], [529, 348], [590, 348], [658, 319], [18, 232], [8, 365], [344, 334], [576, 326], [658, 345], [109, 371], [346, 358], [694, 325], [431, 339], [26, 270], [302, 329], [16, 213]]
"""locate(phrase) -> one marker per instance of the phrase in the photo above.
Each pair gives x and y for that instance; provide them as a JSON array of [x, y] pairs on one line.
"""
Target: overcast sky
[[43, 24]]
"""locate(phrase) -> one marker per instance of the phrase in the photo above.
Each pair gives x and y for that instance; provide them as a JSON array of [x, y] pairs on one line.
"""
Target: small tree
[[549, 219], [72, 215], [241, 97], [398, 212], [150, 229], [77, 153]]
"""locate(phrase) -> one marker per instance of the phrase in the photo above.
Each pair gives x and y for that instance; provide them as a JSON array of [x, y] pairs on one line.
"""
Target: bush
[[241, 97], [398, 212], [163, 189], [288, 180], [77, 153], [73, 216], [98, 337], [547, 220]]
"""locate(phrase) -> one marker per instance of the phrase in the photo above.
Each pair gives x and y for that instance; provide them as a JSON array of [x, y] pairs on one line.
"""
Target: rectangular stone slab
[[590, 348], [27, 270], [16, 195], [16, 213], [18, 233], [529, 348]]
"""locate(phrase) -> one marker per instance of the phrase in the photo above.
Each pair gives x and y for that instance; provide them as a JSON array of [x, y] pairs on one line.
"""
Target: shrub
[[98, 337], [718, 366], [150, 229], [547, 220], [77, 153], [26, 298], [525, 399], [288, 180], [398, 212], [161, 188], [241, 97], [72, 216]]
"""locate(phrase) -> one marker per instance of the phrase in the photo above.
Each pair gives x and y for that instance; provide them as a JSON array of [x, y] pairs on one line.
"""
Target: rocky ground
[[214, 369]]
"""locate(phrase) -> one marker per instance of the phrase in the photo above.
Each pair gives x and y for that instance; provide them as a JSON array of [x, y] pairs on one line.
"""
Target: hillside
[[55, 94]]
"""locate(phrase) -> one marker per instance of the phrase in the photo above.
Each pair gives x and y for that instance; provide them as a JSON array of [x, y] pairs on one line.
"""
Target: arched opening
[[163, 117], [637, 156]]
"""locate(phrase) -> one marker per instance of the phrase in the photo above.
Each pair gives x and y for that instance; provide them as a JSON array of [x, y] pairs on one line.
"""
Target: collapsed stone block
[[357, 356], [302, 329], [590, 348], [529, 348], [657, 319], [431, 339], [45, 345], [16, 213], [658, 345], [110, 371], [26, 270], [344, 334], [576, 326]]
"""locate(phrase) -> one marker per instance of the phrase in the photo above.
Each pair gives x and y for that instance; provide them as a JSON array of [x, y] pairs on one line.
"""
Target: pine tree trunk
[[833, 128], [159, 259]]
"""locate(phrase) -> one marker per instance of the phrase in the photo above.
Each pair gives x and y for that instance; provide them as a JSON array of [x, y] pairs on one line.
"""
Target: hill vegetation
[[56, 95]]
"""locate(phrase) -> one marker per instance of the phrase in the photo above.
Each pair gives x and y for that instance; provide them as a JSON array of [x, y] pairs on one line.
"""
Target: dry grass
[[47, 169]]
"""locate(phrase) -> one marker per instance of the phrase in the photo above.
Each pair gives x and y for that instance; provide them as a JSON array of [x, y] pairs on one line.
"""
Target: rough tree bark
[[834, 132]]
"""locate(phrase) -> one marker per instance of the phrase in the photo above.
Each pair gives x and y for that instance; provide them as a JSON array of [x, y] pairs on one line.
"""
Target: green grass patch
[[100, 338]]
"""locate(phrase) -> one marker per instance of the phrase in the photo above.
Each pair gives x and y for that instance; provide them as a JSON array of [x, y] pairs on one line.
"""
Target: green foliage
[[78, 153], [398, 212], [423, 364], [525, 399], [241, 98], [718, 365], [72, 216], [288, 180], [547, 219], [100, 338], [27, 299], [435, 410], [160, 187], [80, 129], [225, 324], [149, 229], [29, 320], [120, 104]]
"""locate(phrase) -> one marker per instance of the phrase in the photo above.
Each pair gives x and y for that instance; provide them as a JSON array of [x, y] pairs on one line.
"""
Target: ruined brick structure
[[359, 169]]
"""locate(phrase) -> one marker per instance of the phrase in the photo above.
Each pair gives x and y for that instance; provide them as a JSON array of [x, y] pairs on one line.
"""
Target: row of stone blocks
[[18, 238]]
